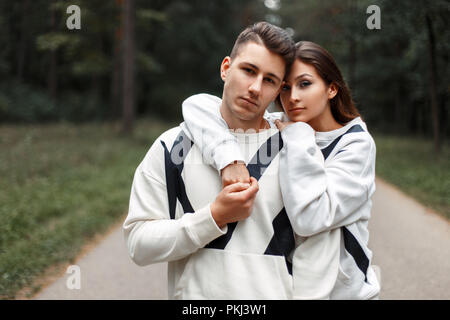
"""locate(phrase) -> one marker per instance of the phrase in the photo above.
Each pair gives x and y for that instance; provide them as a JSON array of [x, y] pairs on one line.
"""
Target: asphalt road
[[411, 245]]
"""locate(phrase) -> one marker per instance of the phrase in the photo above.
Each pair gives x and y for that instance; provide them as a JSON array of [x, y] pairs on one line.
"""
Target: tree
[[128, 66]]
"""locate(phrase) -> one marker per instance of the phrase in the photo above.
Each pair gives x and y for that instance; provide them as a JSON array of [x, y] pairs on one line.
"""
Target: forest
[[143, 58]]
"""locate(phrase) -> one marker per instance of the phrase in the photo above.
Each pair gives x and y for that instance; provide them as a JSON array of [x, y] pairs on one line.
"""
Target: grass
[[61, 185], [412, 165]]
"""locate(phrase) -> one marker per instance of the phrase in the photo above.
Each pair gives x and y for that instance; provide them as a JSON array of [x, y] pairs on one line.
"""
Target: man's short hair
[[274, 38]]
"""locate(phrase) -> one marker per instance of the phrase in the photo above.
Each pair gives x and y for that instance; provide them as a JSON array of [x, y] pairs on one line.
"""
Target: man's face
[[252, 80]]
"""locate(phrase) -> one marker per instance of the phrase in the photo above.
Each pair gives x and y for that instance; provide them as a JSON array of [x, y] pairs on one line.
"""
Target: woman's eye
[[248, 70], [285, 87], [303, 84], [270, 80]]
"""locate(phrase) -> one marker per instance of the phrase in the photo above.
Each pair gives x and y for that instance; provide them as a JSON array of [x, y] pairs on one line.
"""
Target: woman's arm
[[315, 265], [204, 124], [317, 197]]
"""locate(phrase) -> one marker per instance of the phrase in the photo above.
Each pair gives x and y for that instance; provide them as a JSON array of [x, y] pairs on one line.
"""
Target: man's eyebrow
[[255, 67]]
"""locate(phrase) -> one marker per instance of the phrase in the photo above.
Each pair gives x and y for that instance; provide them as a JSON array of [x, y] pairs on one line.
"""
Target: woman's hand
[[235, 172], [282, 125]]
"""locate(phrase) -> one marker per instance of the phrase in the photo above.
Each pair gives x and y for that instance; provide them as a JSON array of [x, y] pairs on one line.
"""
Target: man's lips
[[250, 101]]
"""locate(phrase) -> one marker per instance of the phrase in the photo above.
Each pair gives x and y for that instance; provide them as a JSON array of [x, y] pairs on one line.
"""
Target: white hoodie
[[318, 198], [170, 220]]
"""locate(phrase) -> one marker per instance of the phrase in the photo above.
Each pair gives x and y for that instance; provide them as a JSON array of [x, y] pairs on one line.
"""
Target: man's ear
[[224, 67], [332, 90]]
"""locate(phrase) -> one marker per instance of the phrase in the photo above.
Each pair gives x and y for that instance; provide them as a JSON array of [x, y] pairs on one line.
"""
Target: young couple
[[276, 209]]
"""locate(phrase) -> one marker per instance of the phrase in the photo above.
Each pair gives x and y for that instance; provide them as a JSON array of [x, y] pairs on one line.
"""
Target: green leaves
[[53, 41], [151, 15]]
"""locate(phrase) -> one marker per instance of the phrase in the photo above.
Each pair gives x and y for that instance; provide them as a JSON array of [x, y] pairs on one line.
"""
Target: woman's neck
[[325, 122]]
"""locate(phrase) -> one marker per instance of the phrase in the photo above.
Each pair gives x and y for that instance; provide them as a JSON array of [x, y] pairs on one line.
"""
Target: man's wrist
[[217, 217]]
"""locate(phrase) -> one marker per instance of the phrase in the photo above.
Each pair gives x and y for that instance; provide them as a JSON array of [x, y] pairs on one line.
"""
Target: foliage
[[180, 45], [61, 185], [411, 164], [388, 69]]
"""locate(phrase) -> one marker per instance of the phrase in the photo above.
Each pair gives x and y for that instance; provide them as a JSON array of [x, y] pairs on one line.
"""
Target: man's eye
[[248, 70], [270, 80]]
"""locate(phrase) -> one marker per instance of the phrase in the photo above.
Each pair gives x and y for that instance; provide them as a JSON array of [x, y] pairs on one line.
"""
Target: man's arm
[[152, 236], [317, 197]]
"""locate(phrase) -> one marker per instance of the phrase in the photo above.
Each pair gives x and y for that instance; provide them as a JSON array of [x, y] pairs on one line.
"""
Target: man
[[233, 243]]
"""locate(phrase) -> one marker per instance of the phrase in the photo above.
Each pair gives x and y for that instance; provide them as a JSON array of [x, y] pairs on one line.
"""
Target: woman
[[320, 198]]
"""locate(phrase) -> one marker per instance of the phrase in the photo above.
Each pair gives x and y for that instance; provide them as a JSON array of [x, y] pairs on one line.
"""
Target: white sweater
[[318, 198], [169, 219]]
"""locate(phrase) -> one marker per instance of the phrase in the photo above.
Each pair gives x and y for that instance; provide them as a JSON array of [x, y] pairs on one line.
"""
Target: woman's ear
[[332, 90], [224, 67]]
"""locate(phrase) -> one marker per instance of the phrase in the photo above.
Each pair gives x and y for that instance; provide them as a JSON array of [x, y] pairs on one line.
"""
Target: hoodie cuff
[[227, 153]]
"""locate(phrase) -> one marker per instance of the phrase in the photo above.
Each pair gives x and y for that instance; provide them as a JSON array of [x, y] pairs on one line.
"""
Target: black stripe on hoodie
[[282, 242], [351, 244], [174, 164]]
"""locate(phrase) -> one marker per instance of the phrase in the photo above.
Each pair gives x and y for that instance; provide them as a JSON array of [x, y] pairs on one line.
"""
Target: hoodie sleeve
[[315, 266], [150, 234], [321, 197], [204, 125]]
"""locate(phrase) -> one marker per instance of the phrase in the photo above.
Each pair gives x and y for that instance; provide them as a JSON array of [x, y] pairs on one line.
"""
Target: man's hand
[[235, 172], [282, 125], [234, 202]]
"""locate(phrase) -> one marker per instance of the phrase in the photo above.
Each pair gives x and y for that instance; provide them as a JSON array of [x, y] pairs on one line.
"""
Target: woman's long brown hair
[[342, 106]]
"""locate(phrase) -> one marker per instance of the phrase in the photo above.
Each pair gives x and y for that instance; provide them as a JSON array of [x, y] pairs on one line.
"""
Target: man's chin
[[245, 113], [246, 116]]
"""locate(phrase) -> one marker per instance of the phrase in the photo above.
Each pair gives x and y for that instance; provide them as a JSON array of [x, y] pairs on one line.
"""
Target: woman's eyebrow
[[303, 75]]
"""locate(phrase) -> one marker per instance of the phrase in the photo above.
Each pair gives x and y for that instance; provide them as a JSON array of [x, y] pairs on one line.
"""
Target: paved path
[[410, 244], [107, 272]]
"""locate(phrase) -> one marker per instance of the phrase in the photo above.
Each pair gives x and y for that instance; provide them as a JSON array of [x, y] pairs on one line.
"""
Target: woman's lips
[[296, 109]]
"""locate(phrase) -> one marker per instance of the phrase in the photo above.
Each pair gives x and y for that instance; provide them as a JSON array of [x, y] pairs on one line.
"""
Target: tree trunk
[[52, 76], [128, 66], [21, 54], [115, 96], [433, 89], [352, 48]]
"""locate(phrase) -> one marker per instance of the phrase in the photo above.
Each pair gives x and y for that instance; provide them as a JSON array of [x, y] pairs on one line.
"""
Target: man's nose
[[255, 86]]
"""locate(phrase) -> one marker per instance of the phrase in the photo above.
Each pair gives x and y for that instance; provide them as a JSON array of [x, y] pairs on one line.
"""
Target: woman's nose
[[295, 95]]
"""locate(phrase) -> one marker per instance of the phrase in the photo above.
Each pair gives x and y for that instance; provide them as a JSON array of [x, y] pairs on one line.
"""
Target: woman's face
[[305, 96]]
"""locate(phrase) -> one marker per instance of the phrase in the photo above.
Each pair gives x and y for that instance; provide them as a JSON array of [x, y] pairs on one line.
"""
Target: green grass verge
[[412, 165], [61, 184]]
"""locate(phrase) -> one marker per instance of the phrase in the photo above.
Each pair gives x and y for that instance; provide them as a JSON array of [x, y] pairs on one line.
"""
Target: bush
[[22, 103]]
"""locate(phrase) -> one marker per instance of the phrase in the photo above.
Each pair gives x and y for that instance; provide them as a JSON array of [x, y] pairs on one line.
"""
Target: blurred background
[[79, 108]]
